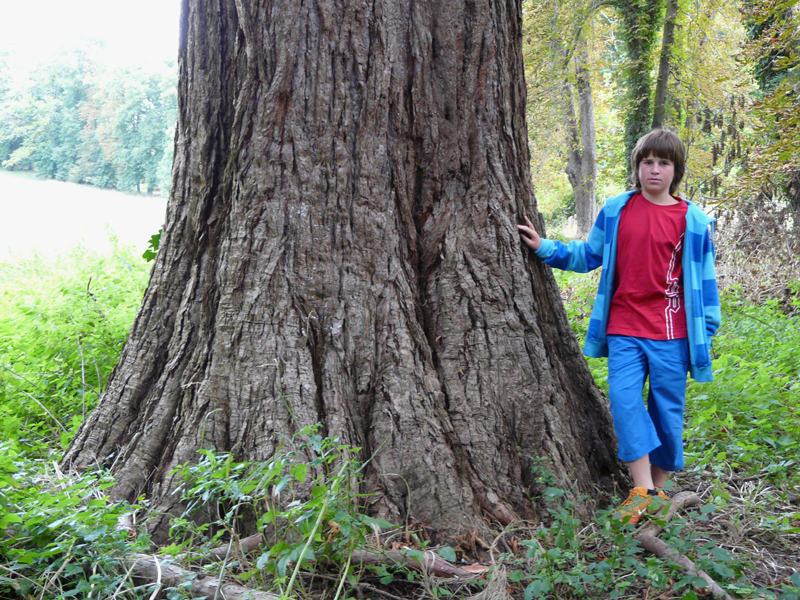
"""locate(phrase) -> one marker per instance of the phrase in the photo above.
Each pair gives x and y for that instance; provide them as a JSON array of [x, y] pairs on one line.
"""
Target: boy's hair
[[662, 144]]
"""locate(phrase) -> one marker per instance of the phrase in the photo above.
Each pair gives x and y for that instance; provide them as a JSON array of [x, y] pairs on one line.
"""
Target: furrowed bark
[[341, 248]]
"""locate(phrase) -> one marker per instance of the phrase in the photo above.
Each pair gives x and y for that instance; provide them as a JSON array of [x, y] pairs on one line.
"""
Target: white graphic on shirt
[[672, 292]]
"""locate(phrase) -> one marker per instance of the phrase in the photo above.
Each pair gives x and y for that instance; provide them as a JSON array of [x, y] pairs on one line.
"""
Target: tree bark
[[664, 63], [340, 248], [581, 166]]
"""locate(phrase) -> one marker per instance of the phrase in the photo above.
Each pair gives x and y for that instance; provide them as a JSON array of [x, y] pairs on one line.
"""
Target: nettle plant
[[302, 501], [58, 534]]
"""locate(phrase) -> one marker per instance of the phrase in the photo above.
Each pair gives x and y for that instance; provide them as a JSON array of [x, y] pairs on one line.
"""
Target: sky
[[133, 31]]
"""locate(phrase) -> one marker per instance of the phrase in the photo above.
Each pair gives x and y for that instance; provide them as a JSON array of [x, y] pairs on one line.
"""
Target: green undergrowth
[[572, 559], [62, 325], [63, 320], [748, 421], [58, 534], [302, 499]]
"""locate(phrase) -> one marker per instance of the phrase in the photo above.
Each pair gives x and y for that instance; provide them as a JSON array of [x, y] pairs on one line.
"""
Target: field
[[53, 216]]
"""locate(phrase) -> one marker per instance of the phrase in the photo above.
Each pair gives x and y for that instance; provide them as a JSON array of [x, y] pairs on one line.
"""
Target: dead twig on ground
[[647, 536]]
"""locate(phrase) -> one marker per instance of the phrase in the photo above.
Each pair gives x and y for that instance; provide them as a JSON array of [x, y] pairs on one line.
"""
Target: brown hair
[[662, 144]]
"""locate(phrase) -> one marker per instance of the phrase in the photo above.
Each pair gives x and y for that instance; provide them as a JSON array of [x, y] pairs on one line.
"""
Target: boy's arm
[[576, 256], [711, 308]]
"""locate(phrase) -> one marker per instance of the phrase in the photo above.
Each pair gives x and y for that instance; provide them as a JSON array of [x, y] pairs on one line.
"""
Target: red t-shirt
[[648, 301]]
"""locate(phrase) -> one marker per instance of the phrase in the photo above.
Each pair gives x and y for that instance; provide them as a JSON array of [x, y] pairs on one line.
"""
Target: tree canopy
[[75, 119]]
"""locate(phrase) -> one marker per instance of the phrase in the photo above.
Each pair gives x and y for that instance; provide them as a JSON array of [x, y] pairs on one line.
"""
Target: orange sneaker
[[638, 504]]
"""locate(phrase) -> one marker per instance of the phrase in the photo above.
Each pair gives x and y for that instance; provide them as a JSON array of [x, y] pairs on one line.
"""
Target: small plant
[[58, 535], [302, 499], [63, 321]]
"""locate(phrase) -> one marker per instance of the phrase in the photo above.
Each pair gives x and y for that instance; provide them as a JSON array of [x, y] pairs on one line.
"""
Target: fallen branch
[[244, 546], [148, 569], [433, 564], [647, 537]]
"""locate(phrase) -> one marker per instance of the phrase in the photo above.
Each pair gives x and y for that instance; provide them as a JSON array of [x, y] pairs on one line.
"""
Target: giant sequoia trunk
[[340, 248]]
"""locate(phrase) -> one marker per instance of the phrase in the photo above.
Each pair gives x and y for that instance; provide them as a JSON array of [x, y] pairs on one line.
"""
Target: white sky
[[134, 31]]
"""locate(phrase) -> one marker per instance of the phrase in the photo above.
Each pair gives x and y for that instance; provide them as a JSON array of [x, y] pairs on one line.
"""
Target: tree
[[639, 21], [142, 120], [664, 63], [340, 248], [774, 171], [72, 119], [582, 144], [558, 65]]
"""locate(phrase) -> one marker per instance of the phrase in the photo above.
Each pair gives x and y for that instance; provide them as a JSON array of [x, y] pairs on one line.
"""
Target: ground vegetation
[[60, 536]]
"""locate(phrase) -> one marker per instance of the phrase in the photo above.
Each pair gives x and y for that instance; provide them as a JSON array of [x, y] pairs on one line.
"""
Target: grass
[[63, 321]]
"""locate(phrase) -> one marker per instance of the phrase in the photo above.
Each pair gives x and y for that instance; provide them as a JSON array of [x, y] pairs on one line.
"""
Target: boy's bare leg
[[641, 472], [659, 475]]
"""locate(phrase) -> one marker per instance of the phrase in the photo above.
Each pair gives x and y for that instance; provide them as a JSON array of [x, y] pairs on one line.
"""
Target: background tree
[[773, 50], [582, 143], [558, 66], [142, 120], [664, 64], [75, 119], [708, 100], [640, 22], [341, 248]]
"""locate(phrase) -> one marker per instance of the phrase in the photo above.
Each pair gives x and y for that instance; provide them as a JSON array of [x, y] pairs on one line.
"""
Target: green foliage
[[552, 31], [152, 247], [59, 536], [567, 558], [63, 321], [773, 51], [302, 499], [74, 120], [747, 420], [145, 116]]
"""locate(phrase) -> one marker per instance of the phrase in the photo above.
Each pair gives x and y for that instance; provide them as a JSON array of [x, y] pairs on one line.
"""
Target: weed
[[306, 507], [58, 535]]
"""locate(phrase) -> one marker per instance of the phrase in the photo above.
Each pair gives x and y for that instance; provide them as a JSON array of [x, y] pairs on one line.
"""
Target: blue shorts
[[656, 430]]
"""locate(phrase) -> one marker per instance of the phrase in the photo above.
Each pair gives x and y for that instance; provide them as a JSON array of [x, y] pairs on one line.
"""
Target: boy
[[657, 308]]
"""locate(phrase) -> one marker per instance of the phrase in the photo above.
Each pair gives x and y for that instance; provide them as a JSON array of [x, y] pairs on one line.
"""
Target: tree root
[[647, 536]]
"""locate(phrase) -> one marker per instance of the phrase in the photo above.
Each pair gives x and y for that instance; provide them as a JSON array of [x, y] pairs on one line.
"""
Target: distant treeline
[[74, 119]]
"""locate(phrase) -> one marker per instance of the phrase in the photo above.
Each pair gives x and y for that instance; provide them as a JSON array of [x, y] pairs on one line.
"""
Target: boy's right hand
[[529, 235]]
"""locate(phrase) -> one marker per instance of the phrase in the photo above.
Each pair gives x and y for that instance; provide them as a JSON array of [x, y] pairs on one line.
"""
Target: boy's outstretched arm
[[576, 256], [529, 235]]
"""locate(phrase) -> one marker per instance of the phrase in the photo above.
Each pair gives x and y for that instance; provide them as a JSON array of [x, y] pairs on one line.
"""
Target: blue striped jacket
[[701, 298]]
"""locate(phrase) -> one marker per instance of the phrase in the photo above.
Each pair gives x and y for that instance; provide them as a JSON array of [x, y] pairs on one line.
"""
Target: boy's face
[[656, 174]]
